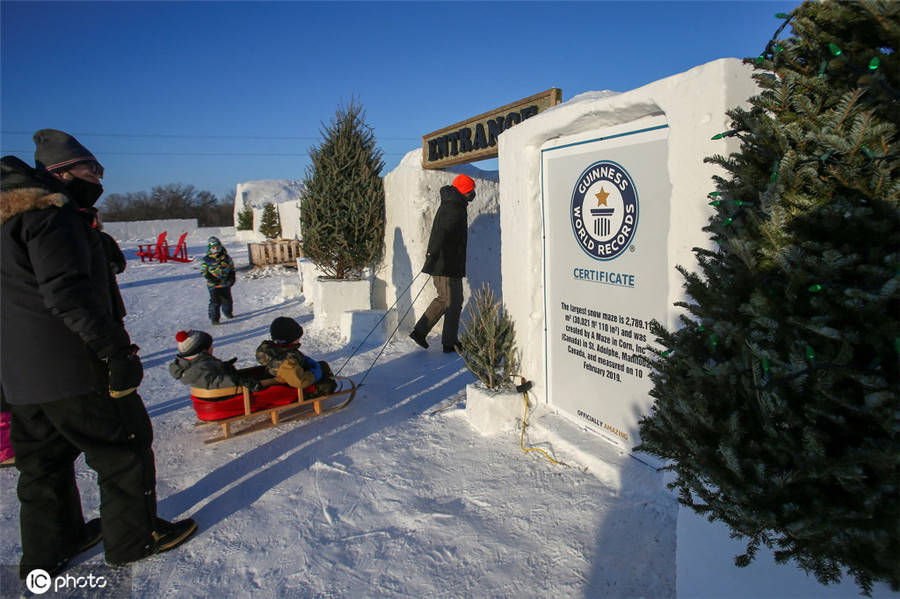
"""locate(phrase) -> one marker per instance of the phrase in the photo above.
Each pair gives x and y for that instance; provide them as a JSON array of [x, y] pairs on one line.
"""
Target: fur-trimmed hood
[[23, 188]]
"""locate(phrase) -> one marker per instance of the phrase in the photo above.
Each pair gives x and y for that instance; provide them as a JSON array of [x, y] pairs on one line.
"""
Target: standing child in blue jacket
[[218, 270]]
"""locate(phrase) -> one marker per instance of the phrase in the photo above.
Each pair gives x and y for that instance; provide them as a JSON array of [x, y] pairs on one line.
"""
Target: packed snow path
[[388, 498]]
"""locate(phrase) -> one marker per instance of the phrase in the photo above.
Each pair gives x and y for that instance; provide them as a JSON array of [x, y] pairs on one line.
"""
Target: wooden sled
[[281, 403]]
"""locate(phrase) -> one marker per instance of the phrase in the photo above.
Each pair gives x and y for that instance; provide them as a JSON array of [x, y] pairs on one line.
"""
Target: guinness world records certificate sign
[[606, 223]]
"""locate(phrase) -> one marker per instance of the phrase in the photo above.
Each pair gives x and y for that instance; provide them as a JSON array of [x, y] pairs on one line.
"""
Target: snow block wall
[[284, 194], [692, 105], [146, 231], [129, 234], [412, 196]]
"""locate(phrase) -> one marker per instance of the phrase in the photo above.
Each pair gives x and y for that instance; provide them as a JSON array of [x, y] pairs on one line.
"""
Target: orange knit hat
[[463, 184]]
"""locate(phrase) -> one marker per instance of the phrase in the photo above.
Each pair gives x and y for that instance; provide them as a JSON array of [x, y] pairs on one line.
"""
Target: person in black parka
[[445, 261], [70, 372]]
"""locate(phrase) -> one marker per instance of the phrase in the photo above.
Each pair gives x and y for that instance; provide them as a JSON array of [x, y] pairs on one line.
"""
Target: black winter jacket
[[206, 372], [60, 308], [446, 254]]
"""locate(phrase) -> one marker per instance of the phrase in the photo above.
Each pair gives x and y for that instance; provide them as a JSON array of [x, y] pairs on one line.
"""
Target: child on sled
[[283, 359], [196, 366]]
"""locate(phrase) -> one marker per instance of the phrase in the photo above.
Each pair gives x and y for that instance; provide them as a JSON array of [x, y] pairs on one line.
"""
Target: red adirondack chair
[[158, 251], [180, 253]]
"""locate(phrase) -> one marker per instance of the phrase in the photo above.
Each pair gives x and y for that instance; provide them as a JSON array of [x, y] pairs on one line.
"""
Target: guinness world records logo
[[604, 210]]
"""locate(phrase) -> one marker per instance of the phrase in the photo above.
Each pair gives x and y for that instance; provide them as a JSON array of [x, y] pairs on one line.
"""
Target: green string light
[[724, 134], [874, 63], [729, 220], [779, 48], [666, 353], [714, 194], [822, 66], [782, 15], [810, 354], [824, 157], [765, 364], [897, 344], [816, 288], [701, 328], [760, 59], [868, 153], [715, 203], [714, 340], [834, 48]]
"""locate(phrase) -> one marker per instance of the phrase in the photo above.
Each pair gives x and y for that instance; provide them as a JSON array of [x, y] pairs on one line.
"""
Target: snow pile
[[257, 194]]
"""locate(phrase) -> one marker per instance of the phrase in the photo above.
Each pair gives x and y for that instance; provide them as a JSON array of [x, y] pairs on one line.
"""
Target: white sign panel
[[606, 222]]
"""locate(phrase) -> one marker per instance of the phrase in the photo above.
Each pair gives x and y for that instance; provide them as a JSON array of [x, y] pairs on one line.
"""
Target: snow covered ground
[[396, 496]]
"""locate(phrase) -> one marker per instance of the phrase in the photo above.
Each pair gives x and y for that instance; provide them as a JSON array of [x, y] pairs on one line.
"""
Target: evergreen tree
[[777, 401], [342, 209], [245, 219], [488, 342], [270, 222]]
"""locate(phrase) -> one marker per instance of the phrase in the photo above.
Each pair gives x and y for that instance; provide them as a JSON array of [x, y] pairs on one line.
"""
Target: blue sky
[[215, 93]]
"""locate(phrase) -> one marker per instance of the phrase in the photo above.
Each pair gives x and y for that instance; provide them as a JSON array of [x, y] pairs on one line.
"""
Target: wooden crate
[[279, 251]]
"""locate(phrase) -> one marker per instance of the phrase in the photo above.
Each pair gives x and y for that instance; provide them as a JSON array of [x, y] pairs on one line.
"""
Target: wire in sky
[[194, 136], [270, 154]]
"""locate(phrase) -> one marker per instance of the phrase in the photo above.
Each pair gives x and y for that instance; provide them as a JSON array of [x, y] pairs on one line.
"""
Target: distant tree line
[[170, 202]]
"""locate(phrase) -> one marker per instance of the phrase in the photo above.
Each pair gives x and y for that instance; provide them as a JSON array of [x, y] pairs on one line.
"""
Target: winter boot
[[419, 338], [326, 386], [91, 534], [167, 535]]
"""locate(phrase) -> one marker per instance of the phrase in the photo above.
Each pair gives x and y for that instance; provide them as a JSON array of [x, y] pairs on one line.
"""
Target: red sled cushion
[[270, 397]]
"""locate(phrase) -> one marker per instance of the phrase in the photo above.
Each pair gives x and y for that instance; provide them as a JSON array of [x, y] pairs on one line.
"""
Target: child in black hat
[[196, 366], [281, 356]]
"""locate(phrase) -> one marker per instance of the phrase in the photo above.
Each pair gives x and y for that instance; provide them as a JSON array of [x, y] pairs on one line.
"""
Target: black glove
[[125, 372], [251, 383]]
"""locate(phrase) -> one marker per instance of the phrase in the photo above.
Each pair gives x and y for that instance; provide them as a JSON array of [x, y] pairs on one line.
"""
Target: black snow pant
[[220, 297], [448, 304], [115, 436]]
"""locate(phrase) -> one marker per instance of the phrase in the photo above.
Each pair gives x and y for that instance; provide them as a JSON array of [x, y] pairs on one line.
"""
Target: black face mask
[[84, 192]]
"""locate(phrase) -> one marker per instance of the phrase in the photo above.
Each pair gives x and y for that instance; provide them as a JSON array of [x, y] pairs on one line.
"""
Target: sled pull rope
[[353, 353], [391, 336]]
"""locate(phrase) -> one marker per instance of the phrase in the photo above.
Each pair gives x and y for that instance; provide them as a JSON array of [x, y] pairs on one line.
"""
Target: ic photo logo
[[39, 582], [604, 210]]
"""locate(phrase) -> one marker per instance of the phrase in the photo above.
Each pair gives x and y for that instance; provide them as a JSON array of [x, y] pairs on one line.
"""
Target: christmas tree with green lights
[[778, 399]]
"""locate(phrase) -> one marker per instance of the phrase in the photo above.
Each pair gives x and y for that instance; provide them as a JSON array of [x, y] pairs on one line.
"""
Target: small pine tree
[[270, 222], [777, 399], [245, 219], [488, 342], [342, 208]]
